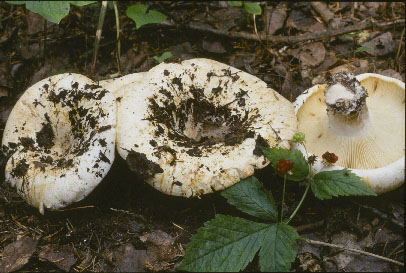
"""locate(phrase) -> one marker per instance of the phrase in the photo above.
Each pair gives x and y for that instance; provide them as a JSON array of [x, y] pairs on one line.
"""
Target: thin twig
[[400, 46], [314, 242], [276, 39], [98, 34], [309, 226], [118, 35]]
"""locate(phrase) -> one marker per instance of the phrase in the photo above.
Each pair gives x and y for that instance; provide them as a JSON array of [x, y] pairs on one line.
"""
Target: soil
[[109, 229]]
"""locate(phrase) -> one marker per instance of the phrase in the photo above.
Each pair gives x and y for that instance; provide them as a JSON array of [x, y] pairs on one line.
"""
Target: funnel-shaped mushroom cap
[[195, 127], [60, 136], [371, 140]]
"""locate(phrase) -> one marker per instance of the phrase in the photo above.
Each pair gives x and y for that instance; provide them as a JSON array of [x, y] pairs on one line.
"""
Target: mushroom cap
[[116, 85], [61, 138], [376, 152], [195, 127]]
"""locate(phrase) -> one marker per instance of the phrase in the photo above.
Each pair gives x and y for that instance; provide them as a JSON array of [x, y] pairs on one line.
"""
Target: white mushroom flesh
[[364, 136], [196, 127], [60, 137]]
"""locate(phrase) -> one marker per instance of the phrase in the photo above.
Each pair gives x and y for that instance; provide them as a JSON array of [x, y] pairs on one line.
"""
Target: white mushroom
[[195, 127], [360, 119], [60, 137], [116, 85]]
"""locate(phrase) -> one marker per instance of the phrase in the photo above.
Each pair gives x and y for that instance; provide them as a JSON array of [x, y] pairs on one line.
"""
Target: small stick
[[98, 34], [118, 36], [314, 242], [309, 226], [276, 39]]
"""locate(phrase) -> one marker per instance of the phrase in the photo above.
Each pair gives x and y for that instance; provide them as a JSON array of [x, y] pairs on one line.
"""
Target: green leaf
[[52, 11], [16, 2], [278, 249], [81, 3], [225, 243], [362, 49], [163, 57], [252, 8], [327, 184], [249, 196], [235, 3], [300, 168], [140, 16]]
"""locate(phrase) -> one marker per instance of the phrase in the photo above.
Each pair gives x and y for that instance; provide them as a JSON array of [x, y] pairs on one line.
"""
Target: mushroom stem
[[346, 104]]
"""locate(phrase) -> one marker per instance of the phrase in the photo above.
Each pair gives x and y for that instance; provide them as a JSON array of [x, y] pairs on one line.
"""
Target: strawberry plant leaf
[[225, 244], [138, 13], [278, 249], [252, 8], [300, 168], [327, 184], [163, 57], [249, 196]]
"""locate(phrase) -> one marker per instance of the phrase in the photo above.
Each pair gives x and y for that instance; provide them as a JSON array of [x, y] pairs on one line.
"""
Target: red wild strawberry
[[284, 166], [330, 157]]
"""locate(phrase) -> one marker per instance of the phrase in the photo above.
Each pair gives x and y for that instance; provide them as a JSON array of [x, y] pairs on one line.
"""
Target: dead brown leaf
[[17, 254], [381, 45], [312, 54], [61, 256]]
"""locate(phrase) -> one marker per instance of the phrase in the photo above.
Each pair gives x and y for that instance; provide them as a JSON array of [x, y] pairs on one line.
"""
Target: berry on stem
[[284, 166], [298, 137], [330, 157]]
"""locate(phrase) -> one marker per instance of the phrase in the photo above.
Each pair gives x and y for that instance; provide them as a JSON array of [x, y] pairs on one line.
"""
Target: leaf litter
[[108, 231]]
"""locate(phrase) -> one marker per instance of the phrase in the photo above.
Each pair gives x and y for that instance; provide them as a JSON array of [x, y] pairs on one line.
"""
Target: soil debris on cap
[[144, 168]]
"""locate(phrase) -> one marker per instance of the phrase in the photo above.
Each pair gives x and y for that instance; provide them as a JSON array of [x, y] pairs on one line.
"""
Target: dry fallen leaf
[[61, 256], [17, 254]]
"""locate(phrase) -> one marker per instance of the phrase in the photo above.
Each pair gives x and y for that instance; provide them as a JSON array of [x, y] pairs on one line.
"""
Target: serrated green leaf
[[249, 196], [235, 3], [300, 168], [278, 249], [362, 49], [225, 243], [327, 184], [163, 57], [140, 16], [252, 8]]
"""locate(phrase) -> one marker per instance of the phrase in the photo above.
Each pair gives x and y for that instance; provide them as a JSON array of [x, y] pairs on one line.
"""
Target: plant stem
[[118, 35], [98, 34], [300, 203], [283, 196], [354, 250]]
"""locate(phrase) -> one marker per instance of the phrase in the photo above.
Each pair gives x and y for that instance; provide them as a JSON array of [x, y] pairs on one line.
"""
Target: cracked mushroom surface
[[196, 127], [362, 120], [60, 139]]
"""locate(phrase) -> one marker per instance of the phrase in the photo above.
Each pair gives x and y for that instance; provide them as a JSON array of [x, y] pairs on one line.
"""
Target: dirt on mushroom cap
[[200, 121], [60, 137]]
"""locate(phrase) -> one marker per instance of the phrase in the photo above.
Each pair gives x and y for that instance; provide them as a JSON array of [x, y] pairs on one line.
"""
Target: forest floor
[[125, 222]]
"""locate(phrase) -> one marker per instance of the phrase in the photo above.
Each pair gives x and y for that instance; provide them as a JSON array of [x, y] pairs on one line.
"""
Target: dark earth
[[126, 225]]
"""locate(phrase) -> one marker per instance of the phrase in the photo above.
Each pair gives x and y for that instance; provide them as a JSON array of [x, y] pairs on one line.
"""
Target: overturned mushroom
[[196, 127], [360, 119], [60, 137]]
